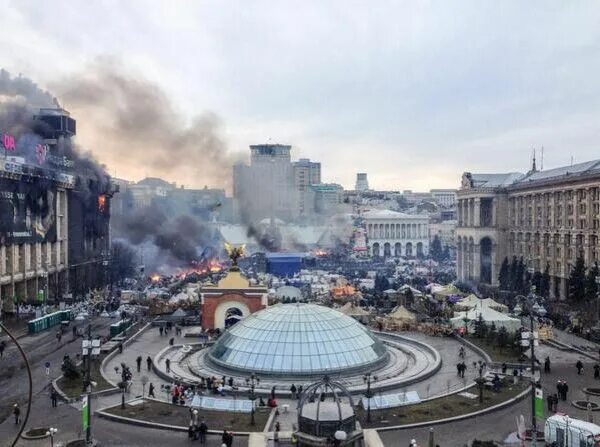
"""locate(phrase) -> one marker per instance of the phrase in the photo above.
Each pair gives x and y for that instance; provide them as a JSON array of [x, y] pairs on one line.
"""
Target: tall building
[[327, 198], [547, 217], [362, 184], [54, 213], [306, 173], [266, 188]]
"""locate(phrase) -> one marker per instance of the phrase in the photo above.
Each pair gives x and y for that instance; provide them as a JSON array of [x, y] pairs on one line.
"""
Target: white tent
[[473, 302], [414, 291], [488, 315]]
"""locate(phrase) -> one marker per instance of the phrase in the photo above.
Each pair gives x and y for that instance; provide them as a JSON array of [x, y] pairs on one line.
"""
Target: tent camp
[[473, 302], [441, 293], [401, 313], [355, 312], [488, 315], [405, 288]]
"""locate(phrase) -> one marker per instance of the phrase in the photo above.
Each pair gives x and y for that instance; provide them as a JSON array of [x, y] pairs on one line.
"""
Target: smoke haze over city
[[372, 87]]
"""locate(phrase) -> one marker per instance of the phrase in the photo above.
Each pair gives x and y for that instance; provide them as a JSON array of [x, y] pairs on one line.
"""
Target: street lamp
[[252, 380], [530, 303], [480, 380], [51, 432], [368, 380]]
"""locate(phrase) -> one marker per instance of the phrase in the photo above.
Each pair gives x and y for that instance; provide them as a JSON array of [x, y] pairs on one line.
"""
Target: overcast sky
[[413, 93]]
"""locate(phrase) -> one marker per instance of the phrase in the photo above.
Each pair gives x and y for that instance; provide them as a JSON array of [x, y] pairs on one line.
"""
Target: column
[[495, 212], [477, 212], [476, 261]]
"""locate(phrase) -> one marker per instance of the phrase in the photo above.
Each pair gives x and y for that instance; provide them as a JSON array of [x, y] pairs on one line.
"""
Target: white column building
[[393, 234]]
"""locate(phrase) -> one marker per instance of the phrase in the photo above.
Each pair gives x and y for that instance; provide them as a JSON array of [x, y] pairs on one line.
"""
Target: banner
[[539, 403], [27, 212], [85, 414]]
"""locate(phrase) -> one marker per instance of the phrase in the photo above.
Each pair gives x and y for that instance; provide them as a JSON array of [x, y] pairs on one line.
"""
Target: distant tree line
[[515, 277]]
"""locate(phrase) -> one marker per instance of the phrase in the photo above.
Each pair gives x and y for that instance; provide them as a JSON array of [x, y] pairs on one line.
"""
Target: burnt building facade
[[54, 212]]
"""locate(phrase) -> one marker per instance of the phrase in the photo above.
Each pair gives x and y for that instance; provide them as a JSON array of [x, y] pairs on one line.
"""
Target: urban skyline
[[444, 89]]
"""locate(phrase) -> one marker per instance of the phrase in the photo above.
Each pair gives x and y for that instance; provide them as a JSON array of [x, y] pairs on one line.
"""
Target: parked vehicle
[[563, 431]]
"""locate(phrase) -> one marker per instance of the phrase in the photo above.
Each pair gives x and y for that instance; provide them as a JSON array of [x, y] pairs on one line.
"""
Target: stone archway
[[376, 250], [409, 249], [221, 312], [387, 251], [398, 249]]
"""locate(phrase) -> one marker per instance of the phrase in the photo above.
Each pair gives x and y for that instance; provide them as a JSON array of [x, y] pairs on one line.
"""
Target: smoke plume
[[135, 127]]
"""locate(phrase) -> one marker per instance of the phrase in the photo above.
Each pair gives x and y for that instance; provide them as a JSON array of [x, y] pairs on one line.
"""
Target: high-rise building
[[328, 197], [362, 184], [549, 218], [306, 173], [265, 188]]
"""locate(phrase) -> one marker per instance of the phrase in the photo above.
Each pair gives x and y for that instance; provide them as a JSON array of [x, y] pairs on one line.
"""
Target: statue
[[234, 253]]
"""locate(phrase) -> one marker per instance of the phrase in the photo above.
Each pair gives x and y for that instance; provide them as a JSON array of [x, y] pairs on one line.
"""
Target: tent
[[473, 302], [354, 311], [488, 315], [405, 288], [445, 292], [402, 313]]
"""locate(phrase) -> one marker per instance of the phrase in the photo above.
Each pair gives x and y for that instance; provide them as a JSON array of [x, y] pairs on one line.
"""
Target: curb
[[491, 409], [113, 353], [147, 424]]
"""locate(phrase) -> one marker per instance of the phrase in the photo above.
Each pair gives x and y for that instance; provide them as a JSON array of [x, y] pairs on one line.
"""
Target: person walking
[[299, 391], [138, 362], [596, 371], [17, 414], [74, 332], [120, 348], [579, 366], [59, 336], [202, 430], [54, 398], [547, 365], [151, 390], [293, 390], [168, 363], [2, 348], [565, 389], [160, 330], [148, 363]]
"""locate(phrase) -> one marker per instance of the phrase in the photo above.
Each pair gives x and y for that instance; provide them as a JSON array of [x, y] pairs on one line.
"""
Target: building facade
[[362, 184], [327, 198], [444, 197], [306, 173], [548, 218], [393, 234]]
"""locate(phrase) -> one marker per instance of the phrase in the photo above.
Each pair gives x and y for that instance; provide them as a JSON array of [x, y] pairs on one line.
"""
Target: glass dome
[[298, 339]]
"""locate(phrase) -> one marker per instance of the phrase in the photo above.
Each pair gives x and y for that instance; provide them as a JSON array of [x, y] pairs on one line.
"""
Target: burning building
[[54, 210]]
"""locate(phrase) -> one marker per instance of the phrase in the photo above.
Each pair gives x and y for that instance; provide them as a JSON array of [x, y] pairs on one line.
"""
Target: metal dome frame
[[319, 392]]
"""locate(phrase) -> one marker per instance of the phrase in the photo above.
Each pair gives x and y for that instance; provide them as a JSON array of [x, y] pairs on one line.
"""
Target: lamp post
[[531, 299], [368, 380], [252, 380], [51, 432], [90, 348], [480, 380]]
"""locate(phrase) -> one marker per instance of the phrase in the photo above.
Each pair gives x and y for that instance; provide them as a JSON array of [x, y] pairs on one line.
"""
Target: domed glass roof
[[298, 339]]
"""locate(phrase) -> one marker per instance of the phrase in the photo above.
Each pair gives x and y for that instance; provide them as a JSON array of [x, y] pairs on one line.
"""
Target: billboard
[[27, 211]]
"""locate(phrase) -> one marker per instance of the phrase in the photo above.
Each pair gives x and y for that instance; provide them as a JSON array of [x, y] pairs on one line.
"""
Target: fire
[[319, 253], [155, 277], [102, 203]]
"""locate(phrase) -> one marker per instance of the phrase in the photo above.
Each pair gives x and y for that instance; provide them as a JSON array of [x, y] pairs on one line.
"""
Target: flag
[[539, 403], [85, 414]]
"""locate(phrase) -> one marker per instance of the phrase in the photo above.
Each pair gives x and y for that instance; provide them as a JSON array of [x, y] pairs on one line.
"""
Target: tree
[[502, 337], [436, 249], [122, 262], [446, 253], [577, 281], [504, 275], [480, 327], [410, 297], [514, 272], [591, 286], [69, 369], [545, 284], [381, 283], [520, 276], [536, 280]]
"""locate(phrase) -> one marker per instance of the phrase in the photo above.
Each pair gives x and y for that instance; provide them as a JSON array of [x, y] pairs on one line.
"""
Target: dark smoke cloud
[[138, 130], [24, 90], [182, 240]]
